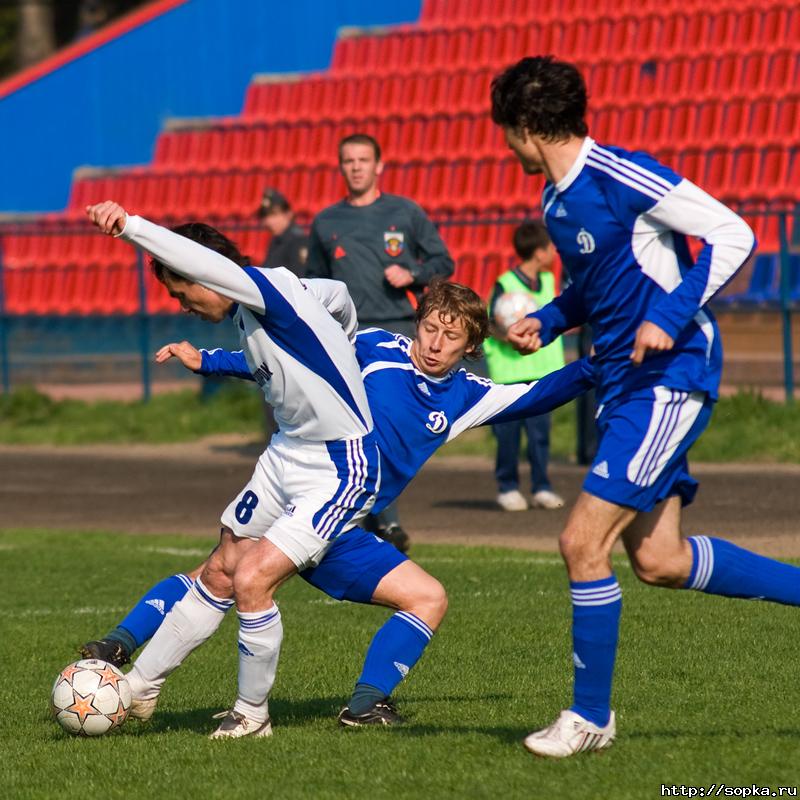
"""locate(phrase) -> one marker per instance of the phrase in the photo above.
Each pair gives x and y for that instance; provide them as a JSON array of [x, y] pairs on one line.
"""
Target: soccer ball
[[90, 698], [512, 307]]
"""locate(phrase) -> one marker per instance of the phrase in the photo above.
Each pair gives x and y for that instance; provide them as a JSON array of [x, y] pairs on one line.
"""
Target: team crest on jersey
[[586, 241], [394, 243], [437, 422]]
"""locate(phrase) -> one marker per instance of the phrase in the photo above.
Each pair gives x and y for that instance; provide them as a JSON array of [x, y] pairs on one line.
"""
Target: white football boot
[[571, 734], [235, 725]]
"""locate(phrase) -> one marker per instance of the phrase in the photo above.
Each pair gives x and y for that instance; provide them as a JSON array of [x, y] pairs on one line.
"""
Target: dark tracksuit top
[[289, 250], [355, 244]]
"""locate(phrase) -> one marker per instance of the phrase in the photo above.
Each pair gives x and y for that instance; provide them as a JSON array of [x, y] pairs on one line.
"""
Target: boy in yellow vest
[[532, 276]]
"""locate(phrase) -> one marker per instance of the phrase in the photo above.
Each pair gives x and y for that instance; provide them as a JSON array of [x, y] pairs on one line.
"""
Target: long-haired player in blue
[[422, 401], [620, 220]]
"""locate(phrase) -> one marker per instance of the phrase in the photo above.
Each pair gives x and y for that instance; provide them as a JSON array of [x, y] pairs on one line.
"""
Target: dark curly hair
[[207, 236], [541, 96]]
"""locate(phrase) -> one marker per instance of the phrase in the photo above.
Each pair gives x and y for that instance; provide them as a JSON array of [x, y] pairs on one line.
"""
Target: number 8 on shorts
[[245, 507]]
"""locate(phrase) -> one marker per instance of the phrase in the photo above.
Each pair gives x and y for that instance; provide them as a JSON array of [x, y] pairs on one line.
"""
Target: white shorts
[[304, 494]]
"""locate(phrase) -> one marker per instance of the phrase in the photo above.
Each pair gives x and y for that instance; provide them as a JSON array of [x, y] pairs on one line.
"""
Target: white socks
[[260, 637], [190, 623]]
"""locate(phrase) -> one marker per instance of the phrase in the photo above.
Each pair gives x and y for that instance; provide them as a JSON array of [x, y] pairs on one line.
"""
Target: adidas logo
[[423, 387], [601, 470], [560, 210], [401, 668], [576, 659], [243, 649], [158, 605]]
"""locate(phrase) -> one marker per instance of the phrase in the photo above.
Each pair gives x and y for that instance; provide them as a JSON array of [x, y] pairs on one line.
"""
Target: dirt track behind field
[[183, 488]]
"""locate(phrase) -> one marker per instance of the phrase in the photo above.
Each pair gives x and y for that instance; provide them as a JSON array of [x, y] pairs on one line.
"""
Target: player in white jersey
[[419, 401], [620, 220], [316, 480]]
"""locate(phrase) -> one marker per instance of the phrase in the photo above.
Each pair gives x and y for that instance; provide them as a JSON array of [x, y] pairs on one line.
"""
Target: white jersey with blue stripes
[[297, 347], [415, 413], [619, 220]]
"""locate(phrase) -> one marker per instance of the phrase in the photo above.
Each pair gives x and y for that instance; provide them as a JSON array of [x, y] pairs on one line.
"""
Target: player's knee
[[215, 577], [579, 553], [437, 602], [429, 603]]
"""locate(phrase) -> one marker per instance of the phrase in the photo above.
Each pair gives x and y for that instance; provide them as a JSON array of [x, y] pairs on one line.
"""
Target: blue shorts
[[354, 566], [644, 439]]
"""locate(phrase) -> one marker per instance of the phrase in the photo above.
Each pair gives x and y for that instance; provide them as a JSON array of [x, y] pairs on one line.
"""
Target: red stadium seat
[[712, 91]]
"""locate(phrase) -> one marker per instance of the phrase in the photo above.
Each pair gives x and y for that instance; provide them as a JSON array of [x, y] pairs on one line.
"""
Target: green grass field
[[706, 692]]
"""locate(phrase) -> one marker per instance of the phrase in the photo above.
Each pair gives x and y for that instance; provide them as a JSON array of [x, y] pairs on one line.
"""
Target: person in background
[[386, 250], [288, 246], [532, 276]]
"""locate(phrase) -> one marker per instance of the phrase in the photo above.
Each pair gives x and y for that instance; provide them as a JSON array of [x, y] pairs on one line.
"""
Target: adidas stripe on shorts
[[644, 438], [303, 495]]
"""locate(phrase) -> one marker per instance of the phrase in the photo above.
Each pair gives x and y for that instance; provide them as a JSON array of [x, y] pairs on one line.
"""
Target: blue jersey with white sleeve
[[415, 413], [619, 220], [297, 346]]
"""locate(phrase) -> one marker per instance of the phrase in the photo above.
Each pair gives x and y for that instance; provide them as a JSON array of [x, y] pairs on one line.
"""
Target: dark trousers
[[508, 434]]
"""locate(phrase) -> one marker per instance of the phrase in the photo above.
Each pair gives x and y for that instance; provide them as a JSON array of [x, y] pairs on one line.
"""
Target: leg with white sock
[[141, 622], [399, 643], [190, 623], [256, 578]]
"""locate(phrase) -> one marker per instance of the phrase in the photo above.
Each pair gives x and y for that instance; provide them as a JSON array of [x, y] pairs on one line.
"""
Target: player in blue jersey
[[620, 220], [419, 401], [315, 481]]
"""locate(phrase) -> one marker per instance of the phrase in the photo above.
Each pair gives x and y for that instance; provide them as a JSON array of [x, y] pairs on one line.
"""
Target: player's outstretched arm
[[224, 363], [181, 255], [491, 403]]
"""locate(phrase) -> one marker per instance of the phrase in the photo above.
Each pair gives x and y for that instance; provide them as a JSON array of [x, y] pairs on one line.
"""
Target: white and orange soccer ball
[[512, 307], [90, 698]]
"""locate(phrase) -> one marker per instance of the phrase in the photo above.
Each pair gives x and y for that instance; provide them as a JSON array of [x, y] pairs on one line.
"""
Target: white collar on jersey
[[576, 168]]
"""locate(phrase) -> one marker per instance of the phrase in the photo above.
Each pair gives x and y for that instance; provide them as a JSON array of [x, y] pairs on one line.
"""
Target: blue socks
[[145, 618], [394, 650], [719, 567], [596, 609]]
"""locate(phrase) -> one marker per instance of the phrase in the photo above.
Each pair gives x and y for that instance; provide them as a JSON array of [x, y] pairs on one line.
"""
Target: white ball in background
[[512, 307]]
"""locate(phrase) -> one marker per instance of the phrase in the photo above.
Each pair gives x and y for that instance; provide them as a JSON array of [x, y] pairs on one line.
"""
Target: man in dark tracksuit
[[386, 250], [288, 246]]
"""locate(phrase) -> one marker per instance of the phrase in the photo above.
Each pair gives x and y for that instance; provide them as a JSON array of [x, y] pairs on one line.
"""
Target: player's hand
[[524, 335], [184, 351], [650, 338], [108, 216], [398, 276]]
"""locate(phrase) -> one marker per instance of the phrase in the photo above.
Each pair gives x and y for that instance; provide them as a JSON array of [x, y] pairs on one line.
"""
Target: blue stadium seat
[[763, 283]]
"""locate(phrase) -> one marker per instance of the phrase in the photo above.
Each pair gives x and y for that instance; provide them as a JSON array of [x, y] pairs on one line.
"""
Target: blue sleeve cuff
[[665, 322], [546, 331]]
